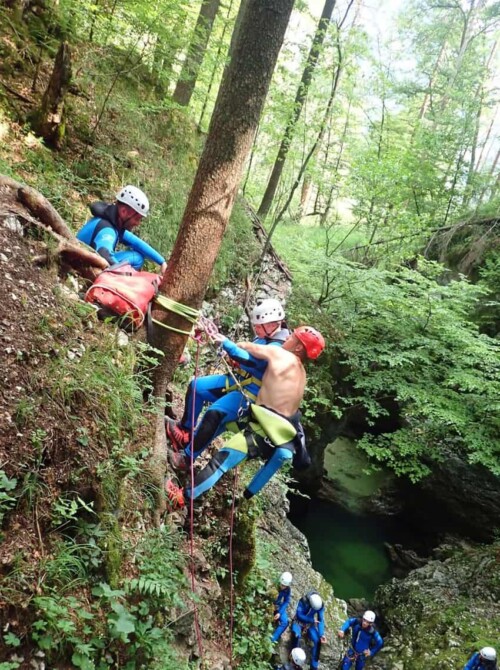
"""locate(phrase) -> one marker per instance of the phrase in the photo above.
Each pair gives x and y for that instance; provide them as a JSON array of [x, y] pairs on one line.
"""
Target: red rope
[[191, 505], [231, 596]]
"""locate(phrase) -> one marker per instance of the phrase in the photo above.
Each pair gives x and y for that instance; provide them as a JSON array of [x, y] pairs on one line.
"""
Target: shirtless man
[[272, 428]]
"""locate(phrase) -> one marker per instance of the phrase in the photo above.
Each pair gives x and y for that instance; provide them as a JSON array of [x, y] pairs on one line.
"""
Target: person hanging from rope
[[365, 642], [281, 605], [228, 395], [297, 659], [485, 659], [271, 431], [310, 619], [112, 224]]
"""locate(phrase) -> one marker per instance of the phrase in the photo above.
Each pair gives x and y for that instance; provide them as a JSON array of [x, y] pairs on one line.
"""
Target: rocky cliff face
[[444, 611]]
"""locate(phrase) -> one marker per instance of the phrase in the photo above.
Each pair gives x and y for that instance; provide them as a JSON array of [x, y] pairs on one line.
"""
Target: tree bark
[[300, 97], [232, 128], [49, 121], [191, 68]]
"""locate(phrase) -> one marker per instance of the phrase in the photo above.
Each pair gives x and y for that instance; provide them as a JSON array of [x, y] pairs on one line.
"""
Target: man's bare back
[[284, 380]]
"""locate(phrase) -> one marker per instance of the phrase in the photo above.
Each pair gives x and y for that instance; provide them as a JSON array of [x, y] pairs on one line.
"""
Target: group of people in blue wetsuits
[[258, 398], [309, 620]]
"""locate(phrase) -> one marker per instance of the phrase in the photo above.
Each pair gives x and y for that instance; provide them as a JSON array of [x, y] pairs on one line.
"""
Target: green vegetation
[[392, 238]]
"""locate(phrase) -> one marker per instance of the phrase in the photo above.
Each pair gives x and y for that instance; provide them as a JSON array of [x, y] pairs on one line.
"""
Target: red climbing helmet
[[313, 341]]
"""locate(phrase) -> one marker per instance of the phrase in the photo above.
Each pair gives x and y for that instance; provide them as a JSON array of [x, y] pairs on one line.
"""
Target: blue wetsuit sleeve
[[265, 473], [472, 662], [348, 623], [242, 356], [321, 621], [105, 243], [282, 601], [305, 615], [379, 643], [142, 247]]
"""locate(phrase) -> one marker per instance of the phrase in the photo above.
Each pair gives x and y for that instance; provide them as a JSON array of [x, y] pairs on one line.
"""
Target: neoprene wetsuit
[[103, 233]]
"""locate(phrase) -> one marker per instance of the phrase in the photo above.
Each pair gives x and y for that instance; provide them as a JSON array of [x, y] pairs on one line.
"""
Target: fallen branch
[[16, 94], [87, 263], [43, 210]]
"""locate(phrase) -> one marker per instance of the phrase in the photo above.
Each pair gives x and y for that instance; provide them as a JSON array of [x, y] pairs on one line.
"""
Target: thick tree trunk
[[49, 121], [232, 128], [191, 68], [300, 97]]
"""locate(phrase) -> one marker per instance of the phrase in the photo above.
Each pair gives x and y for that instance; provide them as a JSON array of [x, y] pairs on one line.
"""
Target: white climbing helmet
[[488, 653], [298, 656], [135, 198], [267, 311], [286, 579], [369, 616], [315, 601]]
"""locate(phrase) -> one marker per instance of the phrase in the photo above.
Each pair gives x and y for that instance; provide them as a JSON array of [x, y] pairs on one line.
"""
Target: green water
[[347, 548]]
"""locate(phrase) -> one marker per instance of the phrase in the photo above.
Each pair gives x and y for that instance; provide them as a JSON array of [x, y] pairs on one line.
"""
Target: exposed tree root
[[30, 206]]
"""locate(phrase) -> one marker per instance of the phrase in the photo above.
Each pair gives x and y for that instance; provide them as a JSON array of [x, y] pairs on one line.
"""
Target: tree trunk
[[304, 194], [300, 97], [234, 121], [49, 121], [191, 68], [215, 67]]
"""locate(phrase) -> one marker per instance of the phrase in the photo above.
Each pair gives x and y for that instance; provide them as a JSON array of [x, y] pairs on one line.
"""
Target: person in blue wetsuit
[[310, 619], [281, 605], [365, 642], [273, 422], [112, 224], [485, 659], [229, 395], [297, 660]]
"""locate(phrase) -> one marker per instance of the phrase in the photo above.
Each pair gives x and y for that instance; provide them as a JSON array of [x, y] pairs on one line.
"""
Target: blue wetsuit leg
[[214, 421], [208, 389], [296, 632], [347, 662], [315, 637], [360, 662], [135, 259], [282, 626], [231, 455]]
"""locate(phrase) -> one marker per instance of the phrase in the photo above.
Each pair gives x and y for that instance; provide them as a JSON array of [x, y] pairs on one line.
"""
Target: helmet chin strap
[[264, 325]]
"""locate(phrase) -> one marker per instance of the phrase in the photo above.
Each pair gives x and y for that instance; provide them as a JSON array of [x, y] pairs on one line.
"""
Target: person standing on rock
[[310, 619], [112, 224], [365, 642], [281, 605], [485, 659], [297, 660], [228, 395]]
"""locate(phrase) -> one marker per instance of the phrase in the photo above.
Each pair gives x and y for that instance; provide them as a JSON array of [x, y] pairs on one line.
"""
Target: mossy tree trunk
[[49, 120], [232, 128]]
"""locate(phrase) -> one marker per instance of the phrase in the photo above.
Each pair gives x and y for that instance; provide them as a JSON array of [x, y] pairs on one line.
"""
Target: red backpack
[[123, 291]]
